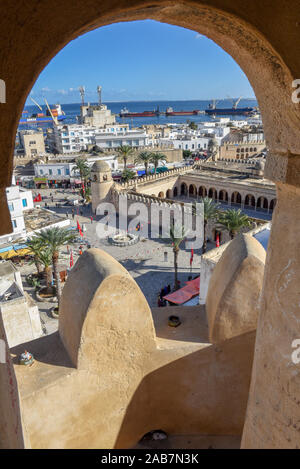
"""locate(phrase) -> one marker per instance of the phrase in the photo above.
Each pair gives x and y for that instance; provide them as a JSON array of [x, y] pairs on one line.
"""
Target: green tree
[[42, 256], [84, 170], [211, 211], [233, 221], [54, 239], [193, 125], [187, 154], [177, 235], [125, 151], [144, 158], [156, 158], [127, 175]]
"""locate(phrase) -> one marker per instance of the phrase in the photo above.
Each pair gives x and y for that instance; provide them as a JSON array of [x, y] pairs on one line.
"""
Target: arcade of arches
[[265, 43], [224, 196]]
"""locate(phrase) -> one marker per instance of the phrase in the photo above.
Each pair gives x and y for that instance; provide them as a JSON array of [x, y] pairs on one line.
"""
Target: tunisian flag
[[79, 228], [38, 198], [71, 259], [192, 256], [217, 241]]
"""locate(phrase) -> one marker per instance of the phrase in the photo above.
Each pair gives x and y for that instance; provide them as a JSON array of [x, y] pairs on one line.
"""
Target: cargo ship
[[171, 112], [41, 117], [125, 113], [234, 110]]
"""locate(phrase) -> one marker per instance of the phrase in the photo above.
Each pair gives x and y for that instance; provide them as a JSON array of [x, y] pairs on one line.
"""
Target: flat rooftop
[[39, 218]]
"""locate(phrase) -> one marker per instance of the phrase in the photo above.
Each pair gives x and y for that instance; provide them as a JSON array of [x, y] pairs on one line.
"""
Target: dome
[[101, 167]]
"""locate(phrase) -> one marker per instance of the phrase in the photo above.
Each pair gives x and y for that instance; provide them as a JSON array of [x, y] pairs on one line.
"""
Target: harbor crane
[[54, 118], [235, 103], [99, 91], [213, 105], [37, 104], [82, 92]]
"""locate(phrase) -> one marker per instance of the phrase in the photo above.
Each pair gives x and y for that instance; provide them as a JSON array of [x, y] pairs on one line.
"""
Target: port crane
[[235, 102], [82, 92], [49, 109], [37, 104], [99, 91], [214, 103]]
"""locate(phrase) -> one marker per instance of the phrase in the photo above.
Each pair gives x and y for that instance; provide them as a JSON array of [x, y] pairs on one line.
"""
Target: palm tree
[[211, 211], [144, 158], [233, 221], [177, 235], [84, 171], [125, 151], [156, 158], [127, 175], [42, 256], [34, 246], [54, 238]]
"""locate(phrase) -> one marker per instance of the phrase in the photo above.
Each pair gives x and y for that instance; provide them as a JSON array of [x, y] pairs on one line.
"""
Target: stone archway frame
[[266, 70]]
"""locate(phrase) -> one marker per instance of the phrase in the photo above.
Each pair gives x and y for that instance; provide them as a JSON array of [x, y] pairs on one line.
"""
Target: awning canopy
[[185, 293], [12, 253]]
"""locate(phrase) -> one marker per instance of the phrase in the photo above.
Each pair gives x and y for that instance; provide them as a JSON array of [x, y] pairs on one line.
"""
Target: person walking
[[91, 219]]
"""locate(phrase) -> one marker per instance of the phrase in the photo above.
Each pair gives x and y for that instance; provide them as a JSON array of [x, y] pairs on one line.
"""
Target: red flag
[[217, 241], [192, 256], [71, 260], [79, 228]]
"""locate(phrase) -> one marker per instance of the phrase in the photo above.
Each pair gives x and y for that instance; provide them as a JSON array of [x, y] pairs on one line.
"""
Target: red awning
[[185, 293]]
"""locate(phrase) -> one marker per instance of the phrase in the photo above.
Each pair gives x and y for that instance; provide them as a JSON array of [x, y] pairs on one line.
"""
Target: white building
[[74, 138], [64, 172], [187, 143], [133, 138], [19, 200], [71, 138]]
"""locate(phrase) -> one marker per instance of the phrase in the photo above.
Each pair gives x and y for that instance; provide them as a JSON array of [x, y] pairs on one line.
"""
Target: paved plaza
[[150, 261]]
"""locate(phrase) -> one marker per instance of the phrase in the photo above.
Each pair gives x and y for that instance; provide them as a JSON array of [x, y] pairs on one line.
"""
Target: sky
[[141, 61]]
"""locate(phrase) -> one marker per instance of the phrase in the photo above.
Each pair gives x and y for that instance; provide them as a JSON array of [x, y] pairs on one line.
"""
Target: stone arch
[[169, 194], [183, 189], [161, 195], [223, 196], [272, 204], [236, 198], [175, 192], [262, 203], [202, 191], [212, 193], [250, 200], [266, 55], [192, 190]]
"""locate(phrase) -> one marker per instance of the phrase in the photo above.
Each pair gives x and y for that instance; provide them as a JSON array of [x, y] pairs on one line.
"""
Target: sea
[[73, 110]]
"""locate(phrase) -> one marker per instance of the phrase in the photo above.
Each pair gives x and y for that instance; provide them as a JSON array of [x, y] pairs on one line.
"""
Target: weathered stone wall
[[11, 432], [117, 378]]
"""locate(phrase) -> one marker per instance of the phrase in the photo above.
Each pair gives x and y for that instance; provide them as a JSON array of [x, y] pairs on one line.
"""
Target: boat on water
[[234, 110], [42, 117], [171, 112], [125, 113]]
